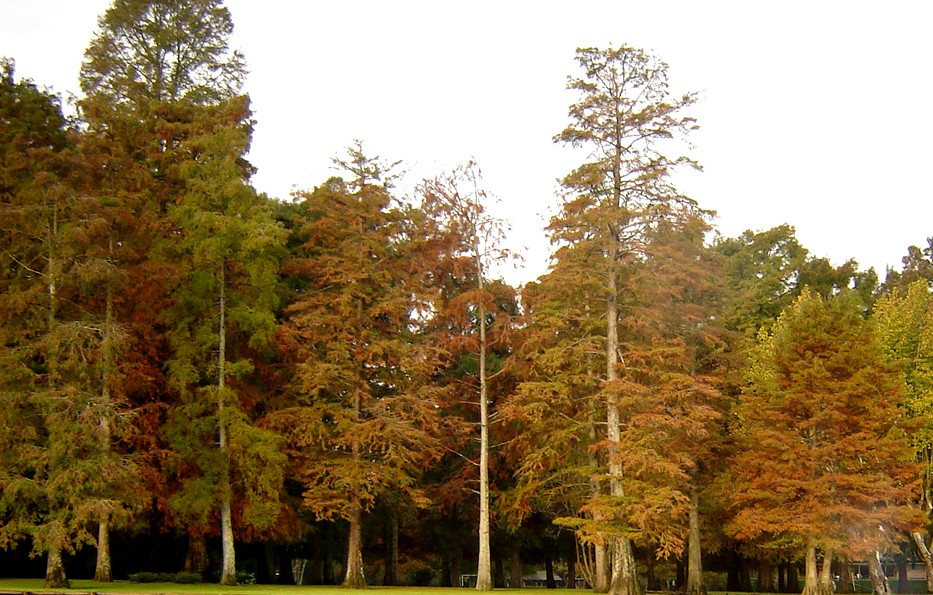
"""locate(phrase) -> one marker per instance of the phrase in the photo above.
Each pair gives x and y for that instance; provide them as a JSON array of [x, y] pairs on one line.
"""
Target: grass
[[124, 587], [35, 586]]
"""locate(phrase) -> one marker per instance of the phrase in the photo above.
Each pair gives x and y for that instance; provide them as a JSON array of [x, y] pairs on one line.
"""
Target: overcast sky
[[817, 113]]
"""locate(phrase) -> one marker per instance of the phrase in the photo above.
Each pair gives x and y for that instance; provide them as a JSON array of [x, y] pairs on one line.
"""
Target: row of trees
[[188, 361]]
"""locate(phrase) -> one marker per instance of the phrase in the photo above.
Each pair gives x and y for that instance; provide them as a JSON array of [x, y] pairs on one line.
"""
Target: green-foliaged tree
[[59, 344], [171, 132], [148, 52], [905, 323], [229, 248]]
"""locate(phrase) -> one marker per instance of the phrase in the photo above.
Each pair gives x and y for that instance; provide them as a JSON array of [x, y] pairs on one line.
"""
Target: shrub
[[144, 577], [188, 578]]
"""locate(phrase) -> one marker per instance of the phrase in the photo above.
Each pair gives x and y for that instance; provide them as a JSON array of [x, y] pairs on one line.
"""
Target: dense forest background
[[334, 388]]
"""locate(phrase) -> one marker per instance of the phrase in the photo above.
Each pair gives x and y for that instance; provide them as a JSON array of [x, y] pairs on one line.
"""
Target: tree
[[229, 246], [363, 422], [624, 114], [824, 462], [37, 205], [456, 202], [148, 70], [148, 52], [905, 323]]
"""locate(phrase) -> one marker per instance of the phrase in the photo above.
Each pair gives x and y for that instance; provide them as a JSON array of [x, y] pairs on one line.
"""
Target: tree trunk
[[879, 582], [499, 570], [391, 575], [903, 582], [694, 560], [516, 574], [354, 578], [483, 570], [926, 556], [549, 572], [826, 575], [624, 572], [793, 579], [812, 584], [846, 584], [570, 578], [55, 570], [228, 568], [196, 556], [102, 570], [765, 576], [601, 569]]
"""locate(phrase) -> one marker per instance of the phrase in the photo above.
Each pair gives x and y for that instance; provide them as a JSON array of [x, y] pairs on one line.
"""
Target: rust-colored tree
[[825, 463], [364, 422]]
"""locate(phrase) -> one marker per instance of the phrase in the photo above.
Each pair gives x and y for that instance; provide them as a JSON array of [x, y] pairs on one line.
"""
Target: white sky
[[815, 113]]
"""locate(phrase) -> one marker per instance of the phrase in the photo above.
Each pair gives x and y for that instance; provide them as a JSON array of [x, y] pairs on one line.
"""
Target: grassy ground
[[35, 586], [8, 586]]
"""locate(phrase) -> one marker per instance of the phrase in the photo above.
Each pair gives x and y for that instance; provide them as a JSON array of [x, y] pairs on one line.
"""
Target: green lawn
[[34, 586], [124, 587]]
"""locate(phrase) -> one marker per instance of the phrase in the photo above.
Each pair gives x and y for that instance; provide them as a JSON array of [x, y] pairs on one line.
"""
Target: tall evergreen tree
[[155, 75], [59, 472]]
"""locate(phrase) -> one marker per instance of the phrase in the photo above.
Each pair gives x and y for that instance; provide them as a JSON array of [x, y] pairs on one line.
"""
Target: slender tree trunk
[[228, 569], [694, 560], [624, 572], [601, 567], [903, 582], [846, 584], [765, 576], [879, 582], [55, 577], [355, 578], [793, 579], [549, 572], [924, 551], [483, 570], [102, 569], [570, 579], [391, 574]]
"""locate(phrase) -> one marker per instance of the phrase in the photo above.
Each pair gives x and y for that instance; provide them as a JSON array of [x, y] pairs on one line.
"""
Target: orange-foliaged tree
[[469, 240], [669, 402], [825, 463], [625, 115], [364, 422]]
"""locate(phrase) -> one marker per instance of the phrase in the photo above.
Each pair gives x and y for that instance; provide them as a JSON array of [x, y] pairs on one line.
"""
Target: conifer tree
[[905, 322], [364, 423], [825, 463], [456, 204], [624, 115]]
